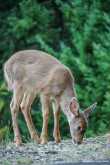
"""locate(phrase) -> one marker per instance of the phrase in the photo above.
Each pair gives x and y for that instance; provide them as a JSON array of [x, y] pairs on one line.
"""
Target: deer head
[[78, 121]]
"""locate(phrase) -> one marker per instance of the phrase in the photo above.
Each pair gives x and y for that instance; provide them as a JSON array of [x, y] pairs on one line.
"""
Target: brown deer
[[30, 73]]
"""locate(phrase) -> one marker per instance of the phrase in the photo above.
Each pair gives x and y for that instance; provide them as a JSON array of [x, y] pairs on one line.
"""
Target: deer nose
[[79, 142], [76, 142]]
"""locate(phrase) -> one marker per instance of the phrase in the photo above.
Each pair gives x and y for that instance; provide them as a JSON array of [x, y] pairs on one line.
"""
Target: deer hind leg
[[56, 112], [45, 113], [14, 106], [26, 103]]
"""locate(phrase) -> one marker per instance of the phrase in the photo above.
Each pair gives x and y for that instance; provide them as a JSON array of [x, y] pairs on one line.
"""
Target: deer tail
[[8, 76]]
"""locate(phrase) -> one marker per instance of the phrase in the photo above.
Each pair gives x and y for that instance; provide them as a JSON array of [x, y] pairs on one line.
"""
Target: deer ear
[[74, 106], [89, 110]]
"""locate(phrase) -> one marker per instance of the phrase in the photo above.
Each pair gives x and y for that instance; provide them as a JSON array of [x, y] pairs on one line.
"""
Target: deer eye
[[79, 128]]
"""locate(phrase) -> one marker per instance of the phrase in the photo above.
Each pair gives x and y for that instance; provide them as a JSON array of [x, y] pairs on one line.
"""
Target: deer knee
[[46, 114], [14, 112], [14, 108], [23, 108], [56, 114], [11, 105]]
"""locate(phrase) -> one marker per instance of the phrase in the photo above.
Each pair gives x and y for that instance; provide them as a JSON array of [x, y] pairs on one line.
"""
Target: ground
[[92, 149]]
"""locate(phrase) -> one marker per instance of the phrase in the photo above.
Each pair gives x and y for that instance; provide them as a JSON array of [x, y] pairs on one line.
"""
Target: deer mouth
[[76, 142]]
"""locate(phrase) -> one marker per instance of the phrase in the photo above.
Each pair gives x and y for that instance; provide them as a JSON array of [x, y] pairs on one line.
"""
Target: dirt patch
[[92, 149]]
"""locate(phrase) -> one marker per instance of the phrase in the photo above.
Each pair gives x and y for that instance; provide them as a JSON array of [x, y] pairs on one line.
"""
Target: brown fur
[[31, 72]]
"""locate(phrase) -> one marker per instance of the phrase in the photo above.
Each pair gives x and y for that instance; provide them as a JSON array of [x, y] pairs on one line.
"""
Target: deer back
[[37, 70]]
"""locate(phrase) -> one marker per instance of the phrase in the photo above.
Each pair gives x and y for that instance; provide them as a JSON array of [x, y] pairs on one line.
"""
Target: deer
[[31, 73]]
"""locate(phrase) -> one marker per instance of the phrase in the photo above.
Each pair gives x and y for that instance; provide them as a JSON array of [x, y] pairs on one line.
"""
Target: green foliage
[[4, 133], [78, 34]]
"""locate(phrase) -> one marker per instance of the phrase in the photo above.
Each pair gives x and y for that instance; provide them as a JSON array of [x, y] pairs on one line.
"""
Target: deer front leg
[[45, 114], [56, 132], [26, 108]]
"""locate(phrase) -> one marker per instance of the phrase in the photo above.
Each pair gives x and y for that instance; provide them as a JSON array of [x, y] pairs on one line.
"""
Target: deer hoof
[[58, 140], [18, 143], [43, 141], [36, 139]]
